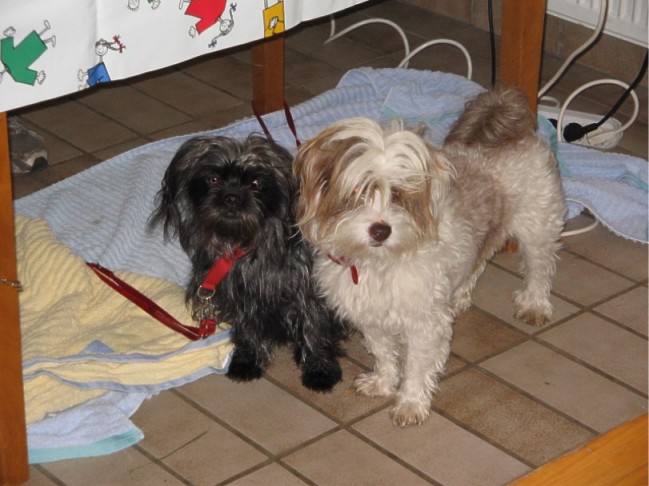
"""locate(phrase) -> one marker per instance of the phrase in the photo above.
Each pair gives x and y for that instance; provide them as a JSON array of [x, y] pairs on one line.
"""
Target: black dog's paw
[[243, 368], [323, 377]]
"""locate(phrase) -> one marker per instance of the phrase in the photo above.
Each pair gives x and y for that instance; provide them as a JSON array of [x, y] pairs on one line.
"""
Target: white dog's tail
[[493, 119]]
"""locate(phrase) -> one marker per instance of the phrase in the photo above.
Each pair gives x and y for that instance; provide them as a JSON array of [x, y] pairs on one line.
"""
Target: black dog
[[220, 196]]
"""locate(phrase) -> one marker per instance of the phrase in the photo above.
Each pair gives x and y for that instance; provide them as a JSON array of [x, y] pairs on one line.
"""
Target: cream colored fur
[[445, 211]]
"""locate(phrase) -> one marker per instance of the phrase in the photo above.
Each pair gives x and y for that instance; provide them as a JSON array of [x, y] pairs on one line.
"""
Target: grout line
[[42, 468], [161, 464], [590, 367]]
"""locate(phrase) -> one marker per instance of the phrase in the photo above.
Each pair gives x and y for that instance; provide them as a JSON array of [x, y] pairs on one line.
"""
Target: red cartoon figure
[[209, 12], [18, 58]]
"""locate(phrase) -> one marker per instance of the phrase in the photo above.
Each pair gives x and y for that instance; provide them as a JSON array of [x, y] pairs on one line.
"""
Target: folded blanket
[[81, 338]]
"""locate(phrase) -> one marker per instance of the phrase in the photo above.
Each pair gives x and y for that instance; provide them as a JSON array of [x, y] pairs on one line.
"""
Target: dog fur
[[218, 195], [415, 226]]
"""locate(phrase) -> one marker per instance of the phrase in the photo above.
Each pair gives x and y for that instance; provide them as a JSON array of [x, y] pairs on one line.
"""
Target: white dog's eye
[[397, 196], [213, 180]]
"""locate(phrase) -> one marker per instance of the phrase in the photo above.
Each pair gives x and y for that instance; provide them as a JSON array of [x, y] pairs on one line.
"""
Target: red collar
[[220, 269], [343, 261]]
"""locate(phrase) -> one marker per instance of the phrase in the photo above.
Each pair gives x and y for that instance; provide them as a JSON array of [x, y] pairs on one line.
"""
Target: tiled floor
[[513, 398]]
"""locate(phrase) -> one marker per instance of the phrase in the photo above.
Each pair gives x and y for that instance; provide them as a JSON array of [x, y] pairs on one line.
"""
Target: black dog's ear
[[166, 212], [168, 200]]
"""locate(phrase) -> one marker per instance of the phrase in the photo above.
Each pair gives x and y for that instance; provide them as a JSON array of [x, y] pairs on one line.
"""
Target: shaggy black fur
[[219, 194]]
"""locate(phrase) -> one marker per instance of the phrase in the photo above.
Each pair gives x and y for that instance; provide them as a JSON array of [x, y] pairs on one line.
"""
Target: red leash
[[206, 312], [289, 121]]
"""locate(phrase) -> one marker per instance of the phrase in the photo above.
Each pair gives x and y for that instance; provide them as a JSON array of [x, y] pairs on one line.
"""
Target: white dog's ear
[[312, 166]]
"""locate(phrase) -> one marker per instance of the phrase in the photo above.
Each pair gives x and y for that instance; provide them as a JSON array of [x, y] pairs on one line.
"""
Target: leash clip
[[205, 308]]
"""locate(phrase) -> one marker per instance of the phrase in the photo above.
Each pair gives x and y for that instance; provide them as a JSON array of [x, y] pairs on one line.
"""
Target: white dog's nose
[[380, 232]]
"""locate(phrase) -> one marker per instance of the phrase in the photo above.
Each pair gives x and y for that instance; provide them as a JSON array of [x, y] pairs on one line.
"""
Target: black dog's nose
[[232, 200], [380, 232]]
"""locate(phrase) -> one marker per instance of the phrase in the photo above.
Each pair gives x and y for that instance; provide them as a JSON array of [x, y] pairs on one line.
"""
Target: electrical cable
[[580, 50], [333, 36], [575, 131], [492, 42], [576, 128], [408, 53], [467, 56]]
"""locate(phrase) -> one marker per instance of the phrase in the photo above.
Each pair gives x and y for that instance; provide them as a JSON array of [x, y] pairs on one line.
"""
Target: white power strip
[[599, 138]]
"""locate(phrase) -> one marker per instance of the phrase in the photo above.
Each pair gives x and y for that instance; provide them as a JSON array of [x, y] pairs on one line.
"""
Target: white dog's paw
[[536, 312], [534, 317], [405, 414], [373, 385]]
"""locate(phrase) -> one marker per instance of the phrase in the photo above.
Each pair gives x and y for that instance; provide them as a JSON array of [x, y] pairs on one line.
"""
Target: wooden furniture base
[[616, 458]]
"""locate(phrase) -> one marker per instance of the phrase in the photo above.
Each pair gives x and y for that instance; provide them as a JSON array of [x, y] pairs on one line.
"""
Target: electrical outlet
[[599, 138]]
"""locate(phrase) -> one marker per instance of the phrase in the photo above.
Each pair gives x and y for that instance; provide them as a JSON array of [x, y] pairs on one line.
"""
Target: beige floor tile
[[629, 309], [617, 254], [343, 458], [26, 184], [120, 148], [80, 126], [343, 52], [494, 294], [230, 73], [477, 335], [609, 348], [380, 38], [169, 423], [221, 118], [214, 456], [423, 22], [260, 410], [567, 386], [37, 478], [301, 69], [342, 403], [269, 475], [584, 282], [185, 93], [137, 111], [68, 168], [193, 127], [443, 451], [127, 467], [505, 417]]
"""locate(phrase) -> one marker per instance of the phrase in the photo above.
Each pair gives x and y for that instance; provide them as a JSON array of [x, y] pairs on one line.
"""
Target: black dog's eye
[[255, 184], [213, 180]]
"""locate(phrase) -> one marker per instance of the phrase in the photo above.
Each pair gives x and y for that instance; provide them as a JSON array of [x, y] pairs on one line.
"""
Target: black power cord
[[575, 131], [492, 42]]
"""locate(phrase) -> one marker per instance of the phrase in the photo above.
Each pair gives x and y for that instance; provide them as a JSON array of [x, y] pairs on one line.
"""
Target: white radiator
[[626, 19]]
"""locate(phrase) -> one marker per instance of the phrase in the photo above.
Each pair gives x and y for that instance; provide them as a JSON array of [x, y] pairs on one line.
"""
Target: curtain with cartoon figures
[[53, 48]]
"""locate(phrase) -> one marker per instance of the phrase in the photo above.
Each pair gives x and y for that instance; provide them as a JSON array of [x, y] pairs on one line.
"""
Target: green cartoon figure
[[18, 58]]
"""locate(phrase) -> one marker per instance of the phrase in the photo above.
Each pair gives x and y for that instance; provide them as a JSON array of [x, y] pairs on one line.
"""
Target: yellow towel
[[66, 310]]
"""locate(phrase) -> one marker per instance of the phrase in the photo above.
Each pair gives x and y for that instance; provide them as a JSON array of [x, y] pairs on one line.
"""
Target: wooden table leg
[[268, 74], [521, 45], [13, 442]]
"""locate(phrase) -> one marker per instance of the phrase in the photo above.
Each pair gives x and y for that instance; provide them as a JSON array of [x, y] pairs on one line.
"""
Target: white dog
[[403, 231]]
